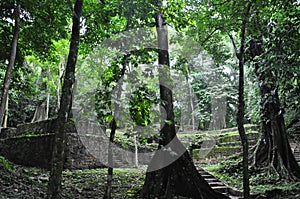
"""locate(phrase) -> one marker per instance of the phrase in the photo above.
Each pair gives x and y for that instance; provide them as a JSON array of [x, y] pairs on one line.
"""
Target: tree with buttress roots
[[267, 46], [166, 178]]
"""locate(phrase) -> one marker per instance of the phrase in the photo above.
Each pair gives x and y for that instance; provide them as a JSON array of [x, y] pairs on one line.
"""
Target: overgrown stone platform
[[31, 145], [86, 147]]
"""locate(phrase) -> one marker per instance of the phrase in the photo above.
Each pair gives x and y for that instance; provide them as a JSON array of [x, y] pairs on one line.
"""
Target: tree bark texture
[[273, 150], [57, 163], [167, 179], [14, 43], [6, 113]]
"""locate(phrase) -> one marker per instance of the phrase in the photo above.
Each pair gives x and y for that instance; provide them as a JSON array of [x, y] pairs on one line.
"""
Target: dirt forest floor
[[23, 182], [31, 183]]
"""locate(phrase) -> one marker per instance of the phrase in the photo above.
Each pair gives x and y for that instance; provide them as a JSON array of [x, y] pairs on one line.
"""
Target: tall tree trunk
[[6, 114], [191, 99], [113, 126], [218, 110], [273, 150], [47, 98], [57, 163], [171, 171], [108, 191], [41, 108], [60, 75], [14, 43], [47, 105], [218, 100], [136, 151], [241, 108], [240, 54]]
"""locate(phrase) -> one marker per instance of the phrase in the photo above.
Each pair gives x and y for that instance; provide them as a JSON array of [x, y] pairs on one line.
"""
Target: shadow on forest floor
[[24, 182]]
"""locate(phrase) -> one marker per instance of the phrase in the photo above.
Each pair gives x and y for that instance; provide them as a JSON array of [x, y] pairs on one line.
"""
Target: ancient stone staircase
[[219, 186], [297, 153], [295, 146]]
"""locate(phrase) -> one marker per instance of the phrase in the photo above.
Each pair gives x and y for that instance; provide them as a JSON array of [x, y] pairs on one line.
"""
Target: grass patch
[[91, 183], [7, 164], [29, 135]]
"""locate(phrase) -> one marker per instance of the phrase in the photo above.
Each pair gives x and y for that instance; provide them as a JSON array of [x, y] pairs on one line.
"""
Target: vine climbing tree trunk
[[273, 150], [171, 171], [113, 127], [57, 163], [14, 43]]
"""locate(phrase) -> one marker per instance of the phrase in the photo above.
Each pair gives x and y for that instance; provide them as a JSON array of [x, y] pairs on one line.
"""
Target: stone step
[[216, 184], [211, 180], [220, 189], [205, 173], [202, 171], [207, 176], [236, 197], [251, 142]]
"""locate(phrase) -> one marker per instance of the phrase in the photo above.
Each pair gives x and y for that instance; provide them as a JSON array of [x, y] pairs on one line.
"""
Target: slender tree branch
[[232, 40], [244, 29], [209, 36]]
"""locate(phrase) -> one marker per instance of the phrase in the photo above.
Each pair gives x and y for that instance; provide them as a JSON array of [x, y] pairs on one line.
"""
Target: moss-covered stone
[[31, 145]]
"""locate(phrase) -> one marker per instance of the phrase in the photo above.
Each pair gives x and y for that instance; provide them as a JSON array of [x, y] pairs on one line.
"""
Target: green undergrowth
[[225, 139], [6, 164], [230, 172], [91, 183], [127, 142], [30, 135]]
